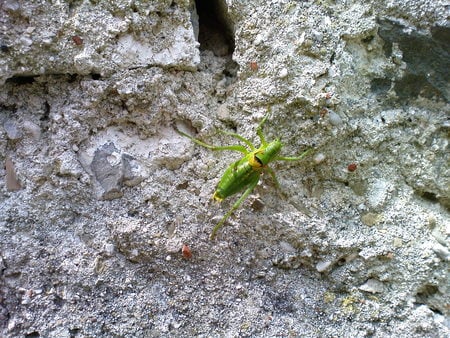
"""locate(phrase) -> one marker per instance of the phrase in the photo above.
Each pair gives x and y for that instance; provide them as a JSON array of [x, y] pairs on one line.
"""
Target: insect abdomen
[[237, 177]]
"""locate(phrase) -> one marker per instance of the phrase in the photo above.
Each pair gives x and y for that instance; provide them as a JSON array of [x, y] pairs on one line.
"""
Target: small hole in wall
[[215, 28], [21, 80], [429, 196]]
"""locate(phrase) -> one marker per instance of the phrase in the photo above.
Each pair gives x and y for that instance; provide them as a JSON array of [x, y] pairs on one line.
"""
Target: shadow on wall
[[427, 59], [215, 28]]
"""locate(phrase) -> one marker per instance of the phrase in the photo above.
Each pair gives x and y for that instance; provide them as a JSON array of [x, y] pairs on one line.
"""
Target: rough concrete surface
[[106, 211]]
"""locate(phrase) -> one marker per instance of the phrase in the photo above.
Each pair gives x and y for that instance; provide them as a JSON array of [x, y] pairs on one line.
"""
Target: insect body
[[245, 173]]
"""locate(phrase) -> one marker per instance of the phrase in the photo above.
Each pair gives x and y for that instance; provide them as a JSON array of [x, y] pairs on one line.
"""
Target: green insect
[[245, 173]]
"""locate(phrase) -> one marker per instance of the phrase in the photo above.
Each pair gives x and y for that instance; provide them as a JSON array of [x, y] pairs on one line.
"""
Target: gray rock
[[96, 88], [372, 286], [107, 168], [12, 130], [133, 172], [11, 180]]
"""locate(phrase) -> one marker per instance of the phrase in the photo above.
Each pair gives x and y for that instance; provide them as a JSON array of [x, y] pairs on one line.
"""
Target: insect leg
[[236, 205], [276, 182], [236, 147], [274, 178], [259, 131], [295, 158], [240, 138]]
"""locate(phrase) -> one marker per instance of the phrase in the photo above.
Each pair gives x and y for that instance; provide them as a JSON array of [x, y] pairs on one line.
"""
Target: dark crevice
[[380, 86], [216, 30], [33, 334], [21, 80], [434, 198], [74, 332], [46, 114], [231, 125], [72, 78], [429, 295], [429, 196], [332, 57]]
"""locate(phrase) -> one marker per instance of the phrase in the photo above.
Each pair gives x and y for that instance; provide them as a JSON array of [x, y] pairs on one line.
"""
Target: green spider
[[246, 172]]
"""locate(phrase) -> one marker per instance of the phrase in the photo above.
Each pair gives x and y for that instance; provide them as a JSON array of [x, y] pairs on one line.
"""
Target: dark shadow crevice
[[21, 79], [216, 30]]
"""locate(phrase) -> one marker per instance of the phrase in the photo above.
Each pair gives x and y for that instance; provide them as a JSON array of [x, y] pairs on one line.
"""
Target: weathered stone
[[12, 130], [107, 168], [11, 180], [133, 173], [96, 87]]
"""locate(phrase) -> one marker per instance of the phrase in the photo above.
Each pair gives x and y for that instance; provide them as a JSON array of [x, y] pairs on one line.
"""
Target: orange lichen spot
[[352, 167], [77, 40], [323, 112], [186, 251]]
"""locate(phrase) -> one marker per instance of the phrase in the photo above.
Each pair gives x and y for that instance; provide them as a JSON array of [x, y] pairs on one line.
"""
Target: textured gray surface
[[100, 193]]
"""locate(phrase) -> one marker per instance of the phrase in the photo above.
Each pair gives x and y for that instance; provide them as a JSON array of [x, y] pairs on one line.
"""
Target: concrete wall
[[101, 197]]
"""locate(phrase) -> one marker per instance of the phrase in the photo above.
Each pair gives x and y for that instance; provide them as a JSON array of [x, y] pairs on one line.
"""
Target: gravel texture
[[106, 211]]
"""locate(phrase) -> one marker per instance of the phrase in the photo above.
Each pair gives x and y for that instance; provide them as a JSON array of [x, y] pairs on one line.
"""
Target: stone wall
[[106, 211]]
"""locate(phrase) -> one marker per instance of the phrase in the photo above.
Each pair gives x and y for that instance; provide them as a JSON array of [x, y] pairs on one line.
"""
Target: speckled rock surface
[[100, 194]]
